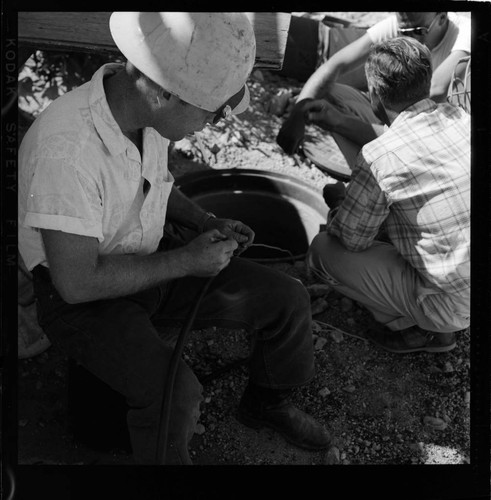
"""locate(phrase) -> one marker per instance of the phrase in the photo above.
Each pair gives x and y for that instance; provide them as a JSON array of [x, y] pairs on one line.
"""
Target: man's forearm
[[338, 64], [442, 76], [126, 274], [185, 211], [359, 131], [81, 275], [120, 275], [316, 86]]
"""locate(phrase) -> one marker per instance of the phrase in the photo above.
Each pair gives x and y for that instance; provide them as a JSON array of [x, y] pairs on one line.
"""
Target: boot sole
[[257, 424]]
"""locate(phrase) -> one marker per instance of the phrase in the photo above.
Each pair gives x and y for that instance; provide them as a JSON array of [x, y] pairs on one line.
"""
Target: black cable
[[162, 436], [163, 432]]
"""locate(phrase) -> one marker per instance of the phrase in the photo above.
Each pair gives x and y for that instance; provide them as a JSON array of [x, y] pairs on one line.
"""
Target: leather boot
[[261, 407]]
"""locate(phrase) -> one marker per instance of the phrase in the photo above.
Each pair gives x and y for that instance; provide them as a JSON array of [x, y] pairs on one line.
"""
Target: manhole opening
[[284, 212]]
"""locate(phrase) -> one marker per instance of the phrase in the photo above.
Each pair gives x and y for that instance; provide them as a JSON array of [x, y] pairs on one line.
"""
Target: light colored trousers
[[350, 101], [387, 285]]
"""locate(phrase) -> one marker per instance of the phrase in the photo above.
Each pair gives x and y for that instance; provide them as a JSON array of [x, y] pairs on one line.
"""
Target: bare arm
[[293, 129], [185, 211], [80, 274], [339, 63], [442, 76]]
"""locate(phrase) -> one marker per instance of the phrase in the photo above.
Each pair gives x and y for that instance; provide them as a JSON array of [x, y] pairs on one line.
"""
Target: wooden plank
[[271, 30], [64, 30], [89, 31]]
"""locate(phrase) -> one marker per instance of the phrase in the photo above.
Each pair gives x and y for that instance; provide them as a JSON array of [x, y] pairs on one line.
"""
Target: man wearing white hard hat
[[94, 194]]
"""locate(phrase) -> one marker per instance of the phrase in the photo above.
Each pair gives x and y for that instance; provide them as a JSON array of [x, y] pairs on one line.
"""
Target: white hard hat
[[204, 58]]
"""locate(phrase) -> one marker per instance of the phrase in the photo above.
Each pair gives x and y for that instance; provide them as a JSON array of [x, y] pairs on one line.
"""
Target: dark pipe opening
[[283, 211]]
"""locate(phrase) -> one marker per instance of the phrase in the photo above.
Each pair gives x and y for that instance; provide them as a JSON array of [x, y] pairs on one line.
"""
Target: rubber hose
[[162, 436]]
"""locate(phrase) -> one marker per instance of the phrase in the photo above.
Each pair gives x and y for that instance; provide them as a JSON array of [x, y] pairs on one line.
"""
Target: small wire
[[291, 258], [465, 332], [341, 331], [273, 248]]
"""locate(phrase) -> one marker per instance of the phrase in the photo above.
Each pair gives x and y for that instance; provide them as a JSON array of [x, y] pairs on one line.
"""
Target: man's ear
[[166, 95], [442, 18], [378, 107], [162, 95]]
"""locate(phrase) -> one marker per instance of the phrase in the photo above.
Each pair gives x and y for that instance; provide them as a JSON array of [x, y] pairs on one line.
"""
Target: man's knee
[[322, 252], [290, 292], [301, 294], [269, 286], [145, 387]]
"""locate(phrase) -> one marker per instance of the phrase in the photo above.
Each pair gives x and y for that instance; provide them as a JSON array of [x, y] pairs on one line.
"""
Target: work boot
[[275, 411], [413, 339]]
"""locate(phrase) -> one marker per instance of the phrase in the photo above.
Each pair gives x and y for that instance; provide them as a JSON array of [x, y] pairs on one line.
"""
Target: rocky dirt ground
[[381, 408]]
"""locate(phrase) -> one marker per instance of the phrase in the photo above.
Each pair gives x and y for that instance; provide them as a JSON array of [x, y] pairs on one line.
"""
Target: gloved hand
[[334, 194], [322, 113], [292, 131]]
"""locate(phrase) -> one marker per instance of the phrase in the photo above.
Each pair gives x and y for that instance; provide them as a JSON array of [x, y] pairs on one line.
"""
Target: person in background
[[346, 109], [414, 182], [94, 194]]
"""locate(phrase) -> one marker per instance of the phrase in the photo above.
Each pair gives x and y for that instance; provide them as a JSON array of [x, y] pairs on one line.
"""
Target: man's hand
[[233, 229], [331, 118], [209, 253], [292, 131]]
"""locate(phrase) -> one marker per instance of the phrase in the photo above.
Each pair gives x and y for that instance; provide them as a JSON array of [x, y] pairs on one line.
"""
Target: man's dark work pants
[[123, 342]]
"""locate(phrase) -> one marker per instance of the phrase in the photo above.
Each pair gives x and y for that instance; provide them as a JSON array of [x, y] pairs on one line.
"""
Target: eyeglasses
[[418, 30], [224, 112]]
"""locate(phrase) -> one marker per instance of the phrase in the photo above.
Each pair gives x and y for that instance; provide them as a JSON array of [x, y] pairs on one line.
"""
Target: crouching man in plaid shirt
[[414, 183]]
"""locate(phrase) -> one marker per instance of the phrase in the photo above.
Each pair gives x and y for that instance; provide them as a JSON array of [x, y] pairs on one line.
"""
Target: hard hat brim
[[244, 103]]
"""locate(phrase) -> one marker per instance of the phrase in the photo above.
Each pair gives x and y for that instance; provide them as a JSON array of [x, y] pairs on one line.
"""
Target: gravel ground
[[381, 408]]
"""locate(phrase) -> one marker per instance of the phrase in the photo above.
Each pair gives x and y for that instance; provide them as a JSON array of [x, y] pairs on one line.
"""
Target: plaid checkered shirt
[[415, 179]]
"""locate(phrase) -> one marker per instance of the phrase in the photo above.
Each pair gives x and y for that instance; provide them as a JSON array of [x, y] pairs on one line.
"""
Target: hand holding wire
[[234, 229], [208, 253]]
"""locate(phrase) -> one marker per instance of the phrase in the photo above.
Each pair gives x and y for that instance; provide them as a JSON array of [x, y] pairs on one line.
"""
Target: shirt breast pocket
[[156, 213]]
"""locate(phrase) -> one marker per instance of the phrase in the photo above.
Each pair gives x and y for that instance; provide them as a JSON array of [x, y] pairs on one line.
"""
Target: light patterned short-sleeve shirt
[[79, 174], [415, 179]]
